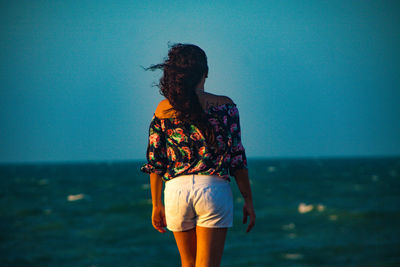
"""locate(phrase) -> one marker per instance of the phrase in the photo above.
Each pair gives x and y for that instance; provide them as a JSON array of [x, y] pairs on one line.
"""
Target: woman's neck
[[200, 90], [200, 86]]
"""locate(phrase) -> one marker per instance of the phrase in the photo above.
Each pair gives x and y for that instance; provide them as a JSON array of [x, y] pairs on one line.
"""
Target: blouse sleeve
[[156, 150], [238, 154]]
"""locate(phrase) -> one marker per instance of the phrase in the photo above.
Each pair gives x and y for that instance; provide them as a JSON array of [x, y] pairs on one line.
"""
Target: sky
[[310, 78]]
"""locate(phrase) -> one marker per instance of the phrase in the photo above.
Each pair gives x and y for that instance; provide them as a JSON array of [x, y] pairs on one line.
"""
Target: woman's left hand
[[158, 218], [248, 211]]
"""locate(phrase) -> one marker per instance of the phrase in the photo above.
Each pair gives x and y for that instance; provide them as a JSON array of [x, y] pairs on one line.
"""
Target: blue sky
[[310, 78]]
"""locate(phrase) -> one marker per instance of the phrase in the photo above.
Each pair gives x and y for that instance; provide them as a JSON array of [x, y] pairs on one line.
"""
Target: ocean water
[[310, 212]]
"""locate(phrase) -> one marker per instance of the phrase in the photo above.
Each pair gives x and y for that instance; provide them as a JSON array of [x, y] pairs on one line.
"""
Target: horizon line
[[110, 161]]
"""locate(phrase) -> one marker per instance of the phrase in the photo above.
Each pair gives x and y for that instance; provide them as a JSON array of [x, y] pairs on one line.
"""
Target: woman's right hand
[[158, 218], [248, 211]]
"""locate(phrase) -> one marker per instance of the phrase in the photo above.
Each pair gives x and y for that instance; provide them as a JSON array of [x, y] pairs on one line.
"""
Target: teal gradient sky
[[310, 78]]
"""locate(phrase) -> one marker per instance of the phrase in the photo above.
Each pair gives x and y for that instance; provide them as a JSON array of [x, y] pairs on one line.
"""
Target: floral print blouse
[[179, 148]]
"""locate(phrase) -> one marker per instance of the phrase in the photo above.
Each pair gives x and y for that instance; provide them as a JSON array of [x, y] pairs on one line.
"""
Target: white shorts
[[201, 200]]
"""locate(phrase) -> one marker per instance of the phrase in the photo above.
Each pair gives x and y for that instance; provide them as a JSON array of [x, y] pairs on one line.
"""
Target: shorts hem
[[181, 230], [201, 225], [215, 226]]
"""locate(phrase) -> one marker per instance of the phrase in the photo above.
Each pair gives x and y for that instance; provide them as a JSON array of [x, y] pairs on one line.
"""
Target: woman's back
[[180, 148]]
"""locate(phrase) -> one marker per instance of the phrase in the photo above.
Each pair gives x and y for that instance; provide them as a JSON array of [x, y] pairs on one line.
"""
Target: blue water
[[310, 212]]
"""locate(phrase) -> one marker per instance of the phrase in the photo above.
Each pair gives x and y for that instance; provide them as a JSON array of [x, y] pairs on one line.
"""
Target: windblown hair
[[183, 69]]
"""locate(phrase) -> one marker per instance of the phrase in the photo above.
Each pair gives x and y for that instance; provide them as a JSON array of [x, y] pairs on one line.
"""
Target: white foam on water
[[333, 217], [293, 256], [292, 235], [289, 226], [271, 168], [145, 186], [304, 208], [75, 197], [320, 207]]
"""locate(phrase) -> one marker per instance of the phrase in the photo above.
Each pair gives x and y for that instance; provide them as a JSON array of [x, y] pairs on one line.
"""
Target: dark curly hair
[[183, 69]]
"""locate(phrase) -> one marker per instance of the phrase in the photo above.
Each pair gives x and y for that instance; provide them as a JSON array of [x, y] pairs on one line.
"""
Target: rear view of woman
[[194, 147]]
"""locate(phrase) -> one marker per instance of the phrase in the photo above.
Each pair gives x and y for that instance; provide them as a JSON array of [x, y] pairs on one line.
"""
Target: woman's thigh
[[210, 245], [186, 242]]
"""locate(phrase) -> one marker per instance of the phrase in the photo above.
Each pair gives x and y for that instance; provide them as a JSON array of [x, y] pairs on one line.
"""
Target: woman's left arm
[[158, 213]]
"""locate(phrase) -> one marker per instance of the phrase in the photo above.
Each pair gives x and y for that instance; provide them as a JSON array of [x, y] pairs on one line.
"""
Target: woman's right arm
[[158, 212], [242, 180], [156, 167]]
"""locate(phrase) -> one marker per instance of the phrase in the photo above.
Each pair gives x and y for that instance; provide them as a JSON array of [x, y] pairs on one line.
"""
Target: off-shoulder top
[[179, 148]]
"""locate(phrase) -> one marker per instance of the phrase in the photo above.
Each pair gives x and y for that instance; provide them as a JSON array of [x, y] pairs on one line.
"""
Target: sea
[[310, 212]]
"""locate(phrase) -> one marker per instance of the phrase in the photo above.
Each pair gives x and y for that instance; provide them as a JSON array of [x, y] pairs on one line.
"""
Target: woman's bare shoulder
[[164, 110], [209, 100]]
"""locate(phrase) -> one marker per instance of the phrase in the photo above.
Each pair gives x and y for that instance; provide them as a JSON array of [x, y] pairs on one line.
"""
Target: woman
[[194, 146]]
